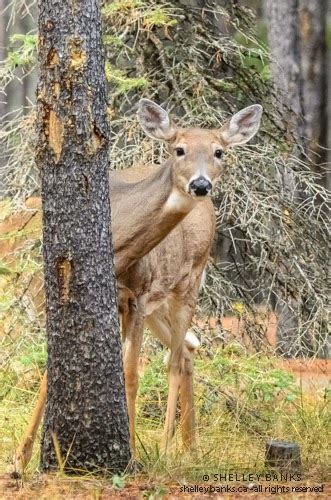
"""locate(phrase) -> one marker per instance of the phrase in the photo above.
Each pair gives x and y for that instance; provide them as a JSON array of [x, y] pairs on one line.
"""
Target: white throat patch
[[177, 201]]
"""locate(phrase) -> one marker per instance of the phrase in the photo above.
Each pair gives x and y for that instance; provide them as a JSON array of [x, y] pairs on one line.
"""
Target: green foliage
[[112, 40], [242, 400], [117, 6], [8, 380], [252, 58], [118, 482], [6, 301], [233, 413], [34, 355], [158, 18], [153, 390], [4, 270], [23, 50], [156, 492], [122, 81], [250, 383]]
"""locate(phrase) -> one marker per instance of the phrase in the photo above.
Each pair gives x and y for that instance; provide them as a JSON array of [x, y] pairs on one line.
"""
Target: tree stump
[[282, 455]]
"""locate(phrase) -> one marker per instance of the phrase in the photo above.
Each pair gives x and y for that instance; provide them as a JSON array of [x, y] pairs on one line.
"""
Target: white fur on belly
[[191, 340]]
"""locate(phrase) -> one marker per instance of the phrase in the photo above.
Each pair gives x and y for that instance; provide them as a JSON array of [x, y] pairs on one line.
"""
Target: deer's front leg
[[187, 397], [161, 323], [179, 316], [174, 377]]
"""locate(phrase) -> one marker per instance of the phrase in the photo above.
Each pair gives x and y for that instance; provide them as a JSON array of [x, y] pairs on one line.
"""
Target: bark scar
[[96, 140], [64, 270], [78, 56], [55, 134], [78, 60], [52, 59], [85, 186]]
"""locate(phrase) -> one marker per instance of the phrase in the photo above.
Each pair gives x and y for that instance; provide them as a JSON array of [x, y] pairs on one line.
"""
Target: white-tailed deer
[[163, 226]]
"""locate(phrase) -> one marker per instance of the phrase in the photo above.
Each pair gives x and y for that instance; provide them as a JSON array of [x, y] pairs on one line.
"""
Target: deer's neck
[[143, 213]]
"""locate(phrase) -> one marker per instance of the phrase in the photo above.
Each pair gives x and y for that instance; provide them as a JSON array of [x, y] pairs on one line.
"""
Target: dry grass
[[242, 399]]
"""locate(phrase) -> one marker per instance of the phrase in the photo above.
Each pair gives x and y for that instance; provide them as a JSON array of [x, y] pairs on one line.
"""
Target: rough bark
[[283, 36], [296, 33], [86, 414], [312, 37]]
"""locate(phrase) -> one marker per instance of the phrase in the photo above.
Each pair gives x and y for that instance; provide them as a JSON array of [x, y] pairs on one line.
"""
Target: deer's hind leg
[[132, 332], [24, 451]]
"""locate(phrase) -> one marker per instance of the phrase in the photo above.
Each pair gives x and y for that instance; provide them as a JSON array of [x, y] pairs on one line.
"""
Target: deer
[[163, 225]]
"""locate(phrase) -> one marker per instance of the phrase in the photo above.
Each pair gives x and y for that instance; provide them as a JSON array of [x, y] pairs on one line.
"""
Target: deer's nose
[[200, 186]]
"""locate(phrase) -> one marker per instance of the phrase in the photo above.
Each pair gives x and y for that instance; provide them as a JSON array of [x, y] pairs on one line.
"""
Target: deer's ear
[[242, 126], [155, 121]]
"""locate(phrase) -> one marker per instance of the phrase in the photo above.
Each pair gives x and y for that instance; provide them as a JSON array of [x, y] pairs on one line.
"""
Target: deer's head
[[197, 154]]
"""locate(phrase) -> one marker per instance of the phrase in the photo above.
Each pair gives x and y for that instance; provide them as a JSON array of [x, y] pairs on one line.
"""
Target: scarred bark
[[86, 414]]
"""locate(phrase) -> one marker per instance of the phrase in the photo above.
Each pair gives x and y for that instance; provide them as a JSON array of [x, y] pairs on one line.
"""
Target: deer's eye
[[218, 153], [180, 151]]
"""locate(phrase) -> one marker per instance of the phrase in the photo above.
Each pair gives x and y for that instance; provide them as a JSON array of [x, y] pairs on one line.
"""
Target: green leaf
[[118, 482], [4, 270]]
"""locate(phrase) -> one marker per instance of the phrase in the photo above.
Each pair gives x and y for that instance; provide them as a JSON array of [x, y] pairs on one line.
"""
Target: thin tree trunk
[[283, 36], [86, 423], [312, 37], [296, 33]]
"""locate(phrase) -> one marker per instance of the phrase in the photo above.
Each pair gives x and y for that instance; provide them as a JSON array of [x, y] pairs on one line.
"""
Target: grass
[[242, 401]]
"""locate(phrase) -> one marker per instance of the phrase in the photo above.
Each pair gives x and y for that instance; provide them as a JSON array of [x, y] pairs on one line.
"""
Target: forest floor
[[45, 488]]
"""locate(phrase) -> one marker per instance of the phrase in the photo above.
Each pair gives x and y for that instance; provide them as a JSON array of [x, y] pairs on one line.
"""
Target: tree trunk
[[296, 33], [283, 36], [86, 425], [312, 36]]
